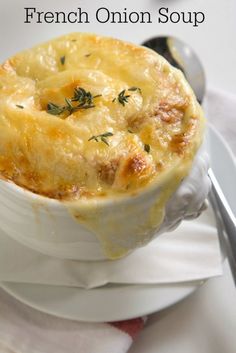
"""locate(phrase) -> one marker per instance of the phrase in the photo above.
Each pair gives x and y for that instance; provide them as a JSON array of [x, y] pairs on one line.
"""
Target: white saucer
[[109, 303], [119, 302]]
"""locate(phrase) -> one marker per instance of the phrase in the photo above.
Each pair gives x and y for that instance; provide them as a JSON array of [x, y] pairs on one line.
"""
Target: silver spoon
[[182, 56]]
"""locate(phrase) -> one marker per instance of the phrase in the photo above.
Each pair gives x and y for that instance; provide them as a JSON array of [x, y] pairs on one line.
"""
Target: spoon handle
[[224, 211]]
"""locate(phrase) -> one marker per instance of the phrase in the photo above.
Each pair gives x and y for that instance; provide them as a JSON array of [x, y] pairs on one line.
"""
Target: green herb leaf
[[107, 134], [19, 106], [102, 137], [54, 109], [98, 95], [147, 148], [88, 55], [93, 138], [130, 131], [79, 95], [84, 99], [122, 98], [133, 89], [69, 105], [62, 59]]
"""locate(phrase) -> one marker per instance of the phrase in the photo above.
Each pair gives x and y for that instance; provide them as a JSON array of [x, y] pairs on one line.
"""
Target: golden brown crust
[[159, 124]]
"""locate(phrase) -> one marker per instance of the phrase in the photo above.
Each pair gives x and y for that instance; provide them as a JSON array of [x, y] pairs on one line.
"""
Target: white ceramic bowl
[[46, 225]]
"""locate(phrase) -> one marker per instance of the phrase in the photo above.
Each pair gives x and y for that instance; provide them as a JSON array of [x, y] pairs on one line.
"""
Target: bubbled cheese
[[158, 126]]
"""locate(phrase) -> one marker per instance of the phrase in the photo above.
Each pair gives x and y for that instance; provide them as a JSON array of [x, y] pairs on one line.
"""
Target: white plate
[[119, 302], [109, 303]]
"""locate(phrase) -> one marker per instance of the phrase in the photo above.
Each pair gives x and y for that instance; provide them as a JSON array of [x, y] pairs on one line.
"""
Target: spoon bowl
[[183, 57]]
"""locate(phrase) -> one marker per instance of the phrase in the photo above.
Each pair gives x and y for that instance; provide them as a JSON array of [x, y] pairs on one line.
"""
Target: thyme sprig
[[85, 101], [122, 97], [101, 137], [84, 98]]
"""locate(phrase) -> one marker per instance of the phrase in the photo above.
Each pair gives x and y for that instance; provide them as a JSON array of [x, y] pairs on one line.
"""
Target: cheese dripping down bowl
[[101, 148]]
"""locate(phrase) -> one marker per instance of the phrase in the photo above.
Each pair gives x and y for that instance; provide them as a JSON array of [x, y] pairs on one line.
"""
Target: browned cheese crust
[[134, 119]]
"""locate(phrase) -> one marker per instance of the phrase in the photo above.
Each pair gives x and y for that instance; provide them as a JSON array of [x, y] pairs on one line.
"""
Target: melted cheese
[[155, 133]]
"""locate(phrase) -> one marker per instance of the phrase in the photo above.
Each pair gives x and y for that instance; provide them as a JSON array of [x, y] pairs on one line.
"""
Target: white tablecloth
[[205, 322]]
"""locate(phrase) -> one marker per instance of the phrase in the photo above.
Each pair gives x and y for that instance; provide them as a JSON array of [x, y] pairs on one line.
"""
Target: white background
[[214, 40], [206, 321]]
